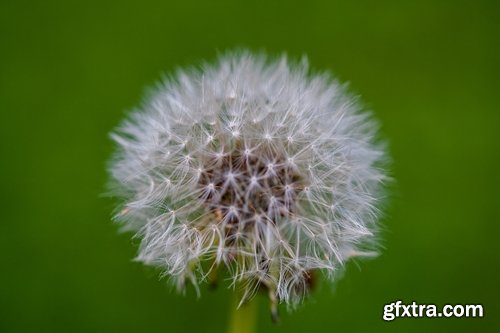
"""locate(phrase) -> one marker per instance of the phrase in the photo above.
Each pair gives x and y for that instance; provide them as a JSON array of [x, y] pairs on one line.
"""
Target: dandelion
[[253, 166]]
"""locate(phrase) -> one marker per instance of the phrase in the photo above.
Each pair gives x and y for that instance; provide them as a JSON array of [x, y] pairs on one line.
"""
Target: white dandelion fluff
[[252, 165]]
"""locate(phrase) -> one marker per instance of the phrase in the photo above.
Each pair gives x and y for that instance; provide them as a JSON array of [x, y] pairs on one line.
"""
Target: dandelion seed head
[[253, 165]]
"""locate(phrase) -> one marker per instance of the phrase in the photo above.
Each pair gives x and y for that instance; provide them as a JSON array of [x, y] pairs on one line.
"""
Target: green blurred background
[[70, 69]]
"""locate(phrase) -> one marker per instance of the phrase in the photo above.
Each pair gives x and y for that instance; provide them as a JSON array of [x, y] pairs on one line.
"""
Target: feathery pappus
[[251, 165]]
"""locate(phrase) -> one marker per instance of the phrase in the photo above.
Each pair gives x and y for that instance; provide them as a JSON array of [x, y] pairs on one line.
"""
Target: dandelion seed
[[253, 166]]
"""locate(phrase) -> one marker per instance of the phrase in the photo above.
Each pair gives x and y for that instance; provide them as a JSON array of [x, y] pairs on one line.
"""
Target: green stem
[[243, 319]]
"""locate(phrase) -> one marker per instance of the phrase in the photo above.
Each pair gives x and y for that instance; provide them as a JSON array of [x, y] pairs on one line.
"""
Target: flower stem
[[243, 319]]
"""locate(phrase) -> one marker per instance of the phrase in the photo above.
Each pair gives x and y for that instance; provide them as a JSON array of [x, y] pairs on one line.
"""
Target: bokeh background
[[69, 71]]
